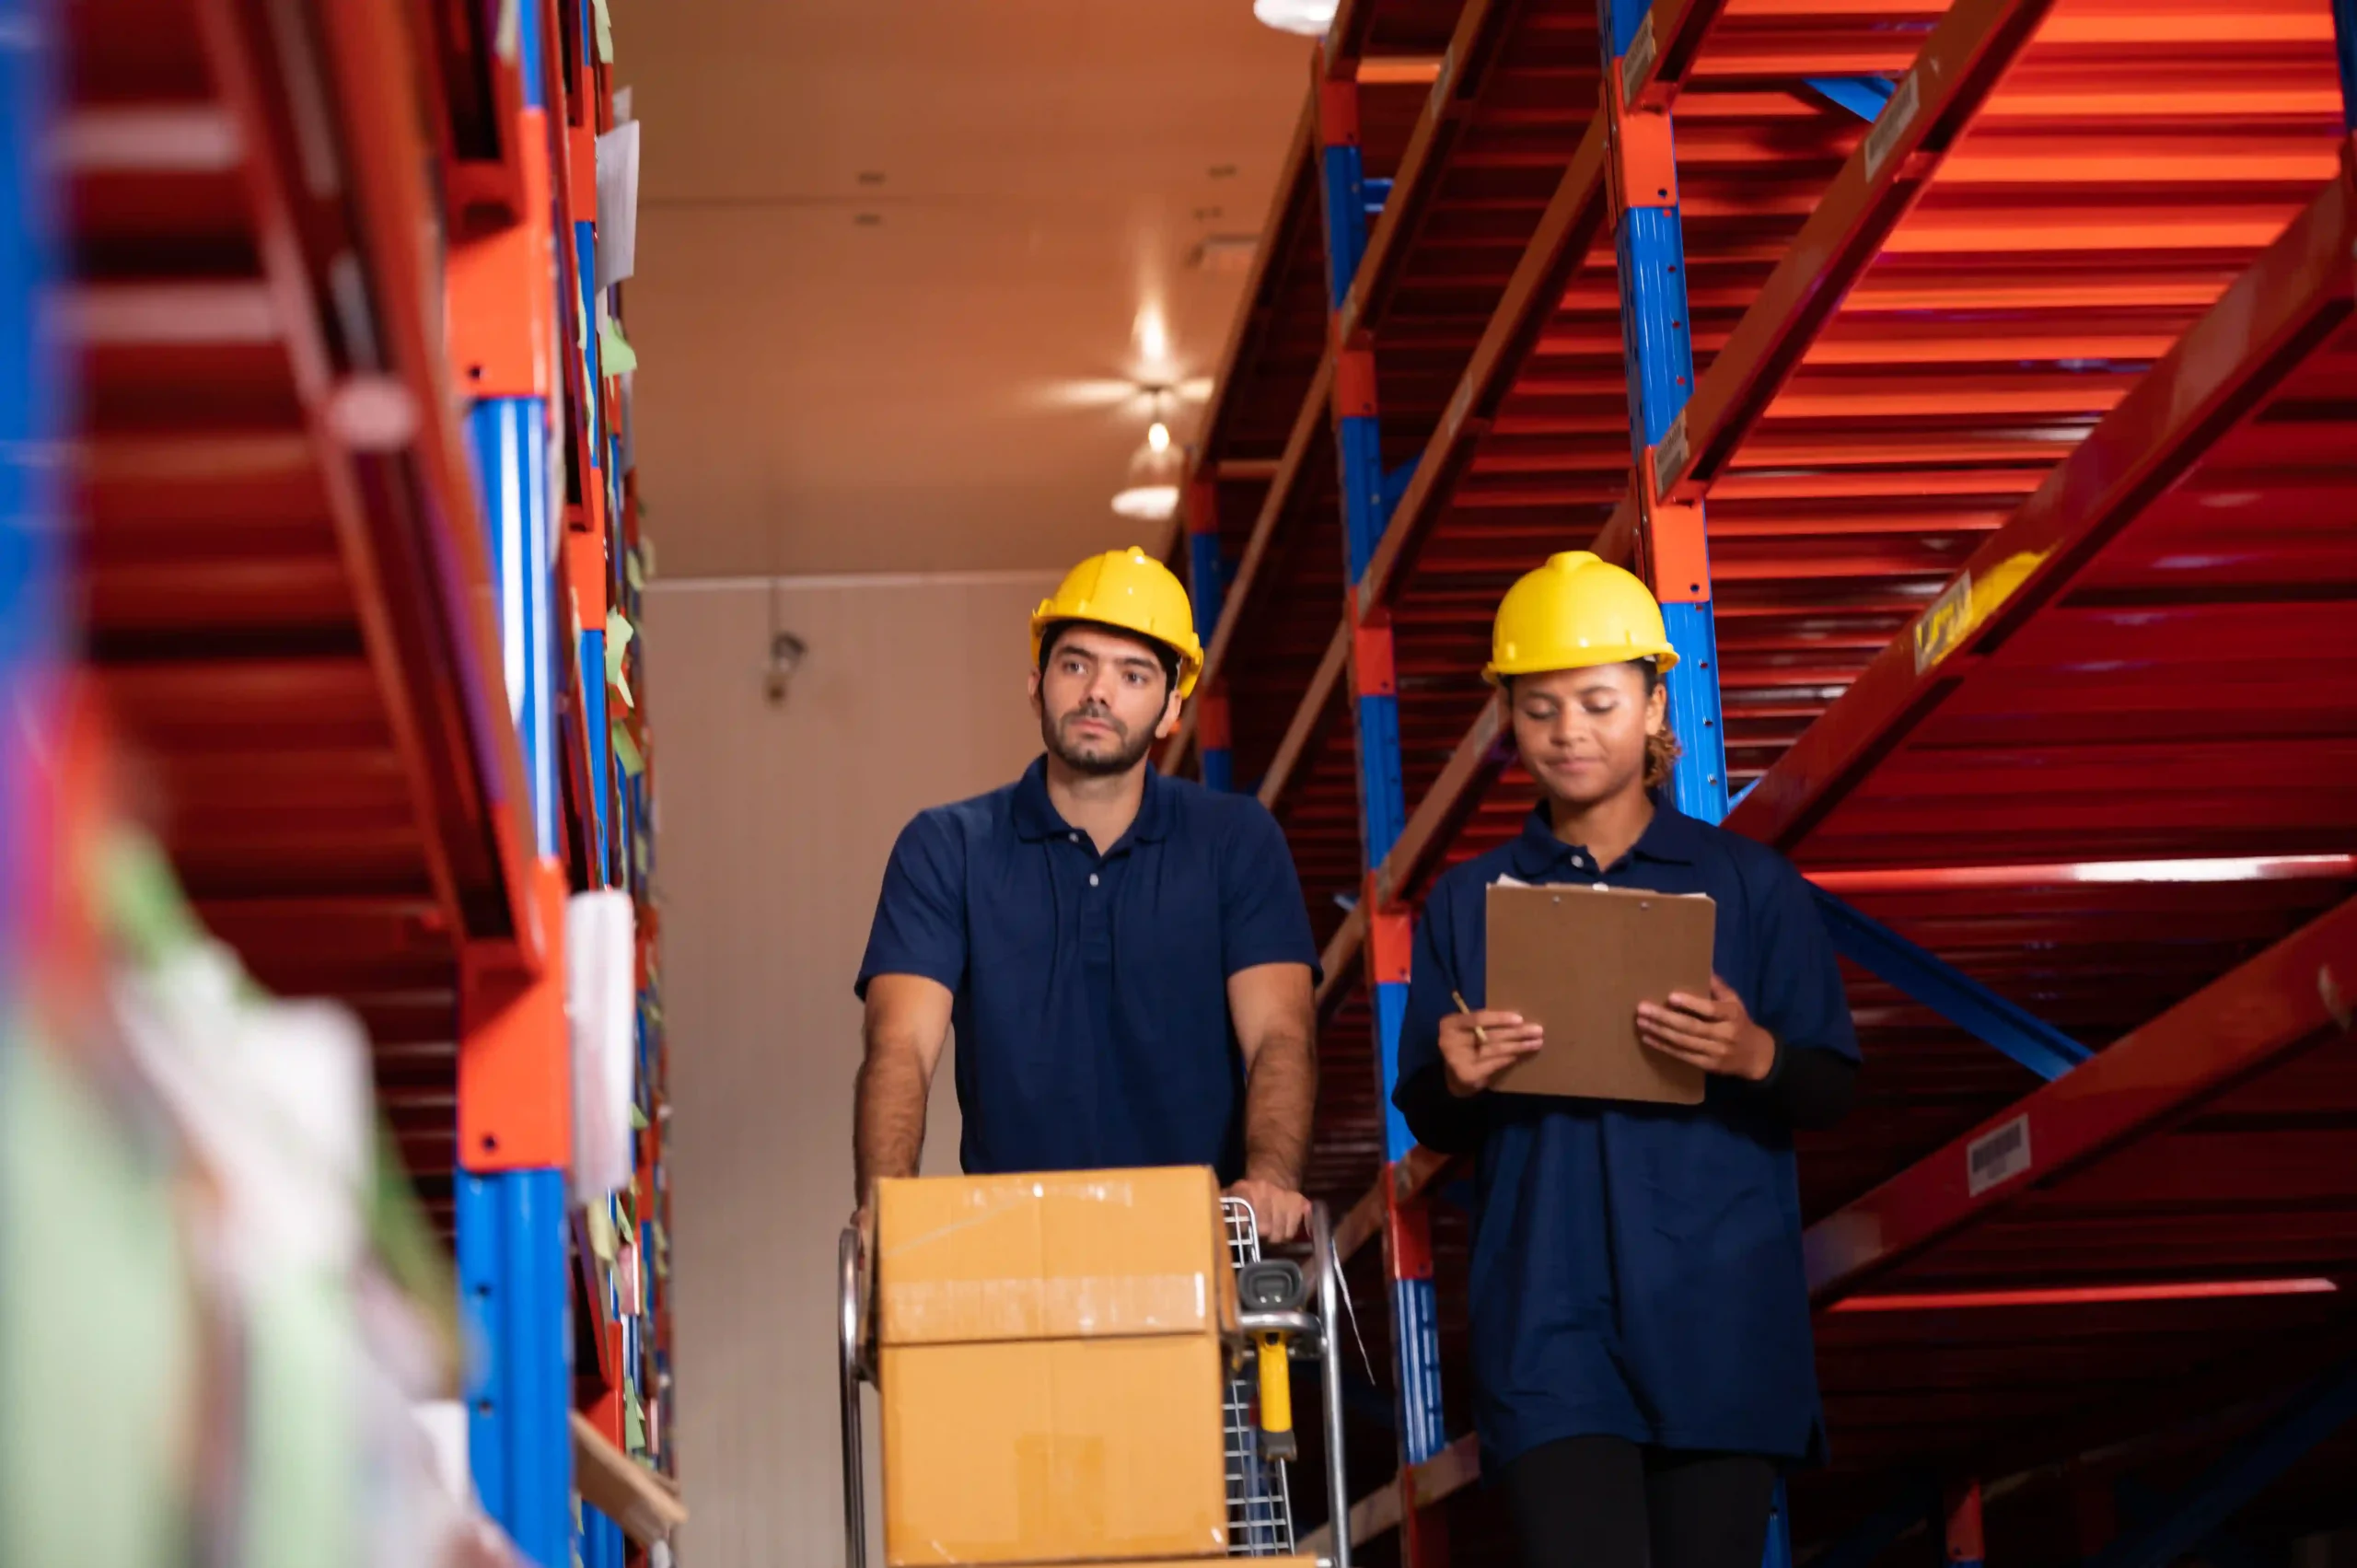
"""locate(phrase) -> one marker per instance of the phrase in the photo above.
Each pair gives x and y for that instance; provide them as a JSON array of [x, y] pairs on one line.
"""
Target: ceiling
[[892, 252]]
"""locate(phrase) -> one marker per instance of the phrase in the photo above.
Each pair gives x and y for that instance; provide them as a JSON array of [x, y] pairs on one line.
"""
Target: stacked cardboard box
[[1051, 1368]]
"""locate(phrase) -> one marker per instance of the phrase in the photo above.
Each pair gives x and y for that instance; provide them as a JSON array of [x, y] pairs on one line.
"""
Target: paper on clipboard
[[1576, 961]]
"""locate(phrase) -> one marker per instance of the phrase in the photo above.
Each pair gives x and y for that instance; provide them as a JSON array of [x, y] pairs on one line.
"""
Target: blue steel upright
[[512, 1223], [1657, 346], [592, 638], [2344, 37], [1383, 812], [1207, 595], [33, 400]]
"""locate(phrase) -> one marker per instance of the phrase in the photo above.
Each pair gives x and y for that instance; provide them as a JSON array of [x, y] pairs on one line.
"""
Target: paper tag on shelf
[[1891, 124], [1639, 61], [1997, 1155]]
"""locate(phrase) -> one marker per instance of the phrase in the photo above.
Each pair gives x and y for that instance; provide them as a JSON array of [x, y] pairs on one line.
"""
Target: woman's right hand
[[1476, 1047]]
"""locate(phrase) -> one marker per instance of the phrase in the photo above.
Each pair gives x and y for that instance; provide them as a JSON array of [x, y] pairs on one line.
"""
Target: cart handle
[[855, 1450], [1330, 1381]]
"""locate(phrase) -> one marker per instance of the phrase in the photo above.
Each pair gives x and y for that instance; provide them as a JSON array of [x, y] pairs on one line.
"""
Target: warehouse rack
[[2004, 344], [359, 574]]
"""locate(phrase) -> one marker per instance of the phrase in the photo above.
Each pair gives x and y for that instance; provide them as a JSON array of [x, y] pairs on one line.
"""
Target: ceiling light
[[1152, 335], [1308, 17], [1147, 502], [1158, 436]]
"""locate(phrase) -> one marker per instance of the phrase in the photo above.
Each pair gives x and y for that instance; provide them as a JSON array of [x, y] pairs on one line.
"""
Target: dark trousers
[[1607, 1503]]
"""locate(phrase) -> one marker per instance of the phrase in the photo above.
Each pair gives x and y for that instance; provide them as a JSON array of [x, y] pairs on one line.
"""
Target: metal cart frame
[[1260, 1504]]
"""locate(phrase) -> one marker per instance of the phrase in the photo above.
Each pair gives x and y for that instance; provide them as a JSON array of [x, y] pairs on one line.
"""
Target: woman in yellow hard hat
[[1126, 957], [1641, 1337]]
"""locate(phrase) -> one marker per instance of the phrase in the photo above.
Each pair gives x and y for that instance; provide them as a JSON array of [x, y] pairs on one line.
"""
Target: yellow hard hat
[[1132, 591], [1575, 612]]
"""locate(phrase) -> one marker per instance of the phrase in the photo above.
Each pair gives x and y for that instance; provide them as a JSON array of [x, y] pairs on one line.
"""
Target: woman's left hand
[[1714, 1033]]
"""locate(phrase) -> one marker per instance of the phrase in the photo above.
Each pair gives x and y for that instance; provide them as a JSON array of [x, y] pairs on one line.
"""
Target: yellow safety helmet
[[1129, 591], [1575, 612]]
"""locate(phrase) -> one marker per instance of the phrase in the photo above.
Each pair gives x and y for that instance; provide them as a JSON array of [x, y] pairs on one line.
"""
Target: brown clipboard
[[1576, 961]]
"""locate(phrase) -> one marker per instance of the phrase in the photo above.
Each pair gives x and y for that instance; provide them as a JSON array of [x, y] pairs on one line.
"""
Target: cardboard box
[[1077, 1254], [1188, 1562], [1053, 1451]]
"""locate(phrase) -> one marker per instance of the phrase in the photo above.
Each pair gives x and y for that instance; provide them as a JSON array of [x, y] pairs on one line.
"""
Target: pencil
[[1480, 1035]]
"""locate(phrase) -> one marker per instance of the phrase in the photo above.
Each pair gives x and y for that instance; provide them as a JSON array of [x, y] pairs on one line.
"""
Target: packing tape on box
[[1028, 1306]]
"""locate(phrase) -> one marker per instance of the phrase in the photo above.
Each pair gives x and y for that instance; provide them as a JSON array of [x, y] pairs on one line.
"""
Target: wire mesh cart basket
[[1286, 1313]]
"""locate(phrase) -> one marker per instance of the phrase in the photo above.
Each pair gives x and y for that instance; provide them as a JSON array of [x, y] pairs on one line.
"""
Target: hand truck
[[1275, 1327]]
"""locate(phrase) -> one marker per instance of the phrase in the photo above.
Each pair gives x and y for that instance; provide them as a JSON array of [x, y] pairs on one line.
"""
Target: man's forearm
[[1280, 1099], [888, 1126]]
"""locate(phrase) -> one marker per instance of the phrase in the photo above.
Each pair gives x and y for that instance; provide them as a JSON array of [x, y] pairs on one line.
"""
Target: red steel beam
[[1338, 964], [428, 656], [2290, 995], [2292, 297], [1301, 735], [381, 118], [1479, 757], [1949, 878], [1575, 220], [1473, 50], [1253, 310], [1961, 65], [1411, 1177], [1662, 54], [1464, 73], [1274, 507], [1432, 827], [1346, 40]]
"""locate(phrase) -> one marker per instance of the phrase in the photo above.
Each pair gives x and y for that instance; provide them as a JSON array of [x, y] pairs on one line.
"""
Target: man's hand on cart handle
[[1281, 1212]]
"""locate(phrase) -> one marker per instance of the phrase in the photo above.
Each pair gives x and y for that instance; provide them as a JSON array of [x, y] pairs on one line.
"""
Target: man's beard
[[1128, 753]]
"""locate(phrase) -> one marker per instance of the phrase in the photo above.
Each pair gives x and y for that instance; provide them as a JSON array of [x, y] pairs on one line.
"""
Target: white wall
[[775, 824]]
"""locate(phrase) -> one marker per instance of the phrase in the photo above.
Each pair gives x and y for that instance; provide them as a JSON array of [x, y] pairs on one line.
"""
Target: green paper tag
[[614, 350], [602, 1233]]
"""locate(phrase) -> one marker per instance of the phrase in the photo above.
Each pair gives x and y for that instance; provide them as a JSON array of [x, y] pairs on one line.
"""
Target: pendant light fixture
[[1308, 17]]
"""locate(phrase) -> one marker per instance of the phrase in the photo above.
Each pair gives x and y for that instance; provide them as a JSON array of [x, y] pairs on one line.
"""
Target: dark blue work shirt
[[1636, 1269], [1091, 990]]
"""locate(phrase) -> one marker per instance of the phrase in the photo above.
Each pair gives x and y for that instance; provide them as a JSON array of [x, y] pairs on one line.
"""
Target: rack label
[[1639, 62], [1891, 124], [1670, 458], [1997, 1155], [1943, 623]]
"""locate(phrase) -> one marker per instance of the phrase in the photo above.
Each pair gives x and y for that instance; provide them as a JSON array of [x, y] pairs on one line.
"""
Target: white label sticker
[[1997, 1155], [1639, 62], [1890, 125], [1669, 460]]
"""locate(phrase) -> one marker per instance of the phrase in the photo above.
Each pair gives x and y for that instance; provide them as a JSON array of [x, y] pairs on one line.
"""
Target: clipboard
[[1576, 961]]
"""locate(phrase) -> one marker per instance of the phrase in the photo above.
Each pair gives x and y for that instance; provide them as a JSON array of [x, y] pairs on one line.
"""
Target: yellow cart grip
[[1276, 1398]]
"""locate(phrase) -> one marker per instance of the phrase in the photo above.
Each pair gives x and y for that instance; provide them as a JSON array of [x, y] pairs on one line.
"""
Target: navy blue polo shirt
[[1636, 1270], [1091, 990]]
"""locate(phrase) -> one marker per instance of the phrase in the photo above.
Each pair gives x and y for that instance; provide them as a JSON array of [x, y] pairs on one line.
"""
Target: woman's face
[[1582, 732]]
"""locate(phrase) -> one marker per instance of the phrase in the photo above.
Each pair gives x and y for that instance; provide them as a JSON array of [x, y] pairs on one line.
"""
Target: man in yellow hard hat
[[1642, 1358], [1125, 958]]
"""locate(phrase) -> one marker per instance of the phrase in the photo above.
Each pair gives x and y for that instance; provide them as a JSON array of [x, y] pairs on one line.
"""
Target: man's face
[[1582, 732], [1103, 699]]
